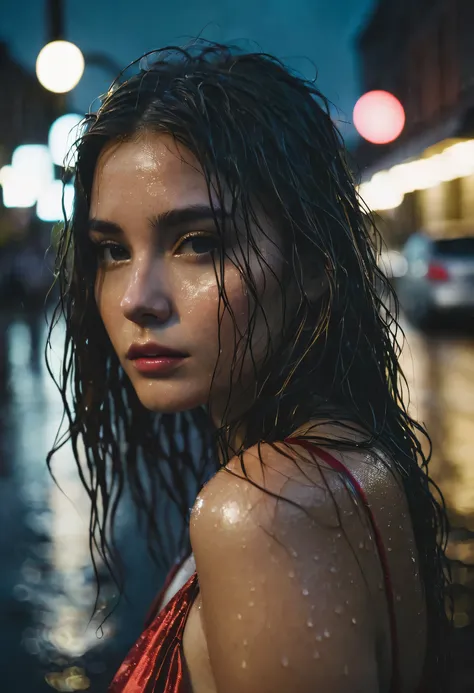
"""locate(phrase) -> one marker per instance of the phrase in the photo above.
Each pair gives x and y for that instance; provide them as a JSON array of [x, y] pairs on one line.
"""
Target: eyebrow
[[165, 221]]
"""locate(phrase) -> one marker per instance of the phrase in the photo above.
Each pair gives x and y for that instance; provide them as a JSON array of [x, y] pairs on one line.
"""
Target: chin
[[169, 398]]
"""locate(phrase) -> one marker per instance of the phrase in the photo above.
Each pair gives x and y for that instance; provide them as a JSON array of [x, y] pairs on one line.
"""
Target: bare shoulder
[[290, 576]]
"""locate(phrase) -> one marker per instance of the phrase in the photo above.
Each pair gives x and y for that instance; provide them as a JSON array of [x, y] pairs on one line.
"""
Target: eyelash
[[104, 245]]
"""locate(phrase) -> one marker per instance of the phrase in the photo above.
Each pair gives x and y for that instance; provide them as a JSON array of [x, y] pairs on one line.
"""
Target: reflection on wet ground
[[47, 587], [439, 367]]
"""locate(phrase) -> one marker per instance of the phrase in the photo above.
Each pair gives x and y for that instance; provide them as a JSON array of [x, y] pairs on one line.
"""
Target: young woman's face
[[156, 285]]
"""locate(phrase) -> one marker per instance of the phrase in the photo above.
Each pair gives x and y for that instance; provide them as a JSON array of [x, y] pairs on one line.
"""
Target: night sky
[[307, 34]]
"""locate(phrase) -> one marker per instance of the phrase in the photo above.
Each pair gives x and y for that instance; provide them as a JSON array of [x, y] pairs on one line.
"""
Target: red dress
[[155, 664]]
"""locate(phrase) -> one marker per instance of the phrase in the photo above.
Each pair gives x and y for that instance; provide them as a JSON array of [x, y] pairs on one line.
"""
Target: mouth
[[152, 351], [153, 359]]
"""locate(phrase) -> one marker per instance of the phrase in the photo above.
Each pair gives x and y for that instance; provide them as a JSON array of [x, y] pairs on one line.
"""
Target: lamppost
[[60, 63]]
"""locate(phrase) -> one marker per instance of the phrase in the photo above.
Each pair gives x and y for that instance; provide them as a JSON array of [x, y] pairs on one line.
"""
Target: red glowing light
[[379, 117]]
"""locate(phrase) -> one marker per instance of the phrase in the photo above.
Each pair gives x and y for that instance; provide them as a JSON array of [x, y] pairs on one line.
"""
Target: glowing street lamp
[[59, 66], [379, 117]]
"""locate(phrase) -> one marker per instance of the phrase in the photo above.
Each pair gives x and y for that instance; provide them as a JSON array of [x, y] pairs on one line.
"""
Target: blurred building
[[422, 51]]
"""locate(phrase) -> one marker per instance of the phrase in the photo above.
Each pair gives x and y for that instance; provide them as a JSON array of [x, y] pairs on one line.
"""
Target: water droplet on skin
[[294, 553], [239, 617], [389, 548], [244, 664], [380, 586], [412, 559], [319, 637], [304, 592], [291, 574], [327, 634], [244, 546], [251, 603], [398, 598], [249, 506], [353, 621], [338, 535], [252, 589], [361, 544], [346, 670], [245, 642], [333, 569], [284, 661], [339, 609], [316, 557], [309, 623], [215, 524], [316, 655], [213, 510]]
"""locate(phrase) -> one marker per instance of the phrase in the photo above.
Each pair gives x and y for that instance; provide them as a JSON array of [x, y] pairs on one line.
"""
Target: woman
[[218, 284]]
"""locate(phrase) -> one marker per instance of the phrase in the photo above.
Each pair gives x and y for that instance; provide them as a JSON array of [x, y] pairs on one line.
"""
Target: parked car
[[439, 277]]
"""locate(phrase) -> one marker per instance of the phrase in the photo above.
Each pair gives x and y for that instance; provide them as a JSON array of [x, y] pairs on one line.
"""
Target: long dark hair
[[264, 137]]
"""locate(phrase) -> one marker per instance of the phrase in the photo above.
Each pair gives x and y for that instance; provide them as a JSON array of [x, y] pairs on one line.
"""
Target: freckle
[[304, 592], [353, 621], [309, 623], [284, 661], [316, 655], [339, 609], [327, 634], [291, 574], [244, 664]]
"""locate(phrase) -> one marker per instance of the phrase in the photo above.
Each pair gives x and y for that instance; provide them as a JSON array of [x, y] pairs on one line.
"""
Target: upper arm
[[286, 603]]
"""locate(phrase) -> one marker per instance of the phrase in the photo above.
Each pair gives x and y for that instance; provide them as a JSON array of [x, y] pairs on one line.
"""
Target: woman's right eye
[[111, 253]]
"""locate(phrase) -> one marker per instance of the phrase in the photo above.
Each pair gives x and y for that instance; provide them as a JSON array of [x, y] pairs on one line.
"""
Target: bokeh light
[[59, 66], [379, 117], [63, 133]]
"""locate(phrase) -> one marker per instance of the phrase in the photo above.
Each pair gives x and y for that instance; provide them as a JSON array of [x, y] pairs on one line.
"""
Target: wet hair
[[265, 140]]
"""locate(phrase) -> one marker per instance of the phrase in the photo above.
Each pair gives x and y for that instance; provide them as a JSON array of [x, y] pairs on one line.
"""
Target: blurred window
[[455, 247]]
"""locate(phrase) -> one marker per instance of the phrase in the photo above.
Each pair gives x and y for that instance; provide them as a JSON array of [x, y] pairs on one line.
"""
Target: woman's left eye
[[200, 244]]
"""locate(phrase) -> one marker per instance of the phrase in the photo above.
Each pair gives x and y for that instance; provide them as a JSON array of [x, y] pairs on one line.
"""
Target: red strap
[[342, 469]]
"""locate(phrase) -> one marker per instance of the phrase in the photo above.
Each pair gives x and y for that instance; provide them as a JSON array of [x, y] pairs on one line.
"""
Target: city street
[[47, 588]]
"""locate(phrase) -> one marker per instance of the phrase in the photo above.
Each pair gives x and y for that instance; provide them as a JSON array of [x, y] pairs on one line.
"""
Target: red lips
[[153, 350]]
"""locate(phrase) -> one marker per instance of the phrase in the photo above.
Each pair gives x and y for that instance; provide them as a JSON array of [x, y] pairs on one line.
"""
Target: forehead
[[149, 169]]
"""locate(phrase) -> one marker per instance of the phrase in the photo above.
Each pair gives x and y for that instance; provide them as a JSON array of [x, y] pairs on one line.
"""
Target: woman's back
[[393, 579]]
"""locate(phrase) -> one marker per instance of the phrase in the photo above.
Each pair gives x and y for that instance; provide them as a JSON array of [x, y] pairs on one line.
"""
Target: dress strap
[[338, 466]]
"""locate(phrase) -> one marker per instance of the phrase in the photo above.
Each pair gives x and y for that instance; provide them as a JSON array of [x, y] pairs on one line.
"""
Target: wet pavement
[[47, 587]]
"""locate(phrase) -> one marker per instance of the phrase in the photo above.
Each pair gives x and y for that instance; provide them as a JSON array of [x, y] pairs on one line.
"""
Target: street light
[[379, 117], [60, 66]]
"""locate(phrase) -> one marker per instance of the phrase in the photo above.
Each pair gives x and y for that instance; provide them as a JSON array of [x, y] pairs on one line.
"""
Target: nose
[[145, 298]]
